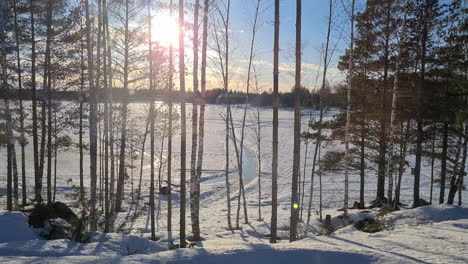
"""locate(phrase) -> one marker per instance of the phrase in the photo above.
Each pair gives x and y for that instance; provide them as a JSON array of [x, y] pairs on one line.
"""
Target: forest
[[164, 131]]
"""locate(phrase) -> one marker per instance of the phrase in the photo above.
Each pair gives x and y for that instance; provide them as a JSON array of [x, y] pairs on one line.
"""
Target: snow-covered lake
[[213, 204]]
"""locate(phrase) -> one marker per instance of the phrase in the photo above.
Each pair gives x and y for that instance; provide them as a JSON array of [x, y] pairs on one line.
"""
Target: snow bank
[[427, 214], [14, 227], [17, 238]]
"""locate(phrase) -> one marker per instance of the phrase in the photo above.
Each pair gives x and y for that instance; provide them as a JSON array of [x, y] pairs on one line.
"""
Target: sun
[[165, 29]]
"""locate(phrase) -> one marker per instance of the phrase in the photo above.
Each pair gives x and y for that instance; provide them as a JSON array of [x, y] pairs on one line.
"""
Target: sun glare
[[165, 29]]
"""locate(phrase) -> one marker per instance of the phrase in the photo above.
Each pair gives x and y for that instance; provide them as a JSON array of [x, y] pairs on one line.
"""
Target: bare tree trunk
[[432, 161], [194, 190], [222, 29], [82, 99], [37, 174], [107, 79], [319, 131], [92, 122], [241, 180], [55, 154], [142, 156], [348, 112], [462, 168], [419, 132], [320, 184], [183, 125], [152, 121], [201, 132], [47, 88], [274, 159], [110, 120], [161, 151], [15, 177], [402, 161], [119, 196], [443, 169], [456, 171], [22, 139], [297, 128], [396, 84], [5, 91], [169, 140]]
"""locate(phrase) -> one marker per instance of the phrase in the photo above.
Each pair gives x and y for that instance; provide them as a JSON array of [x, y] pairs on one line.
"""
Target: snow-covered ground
[[421, 240], [408, 243]]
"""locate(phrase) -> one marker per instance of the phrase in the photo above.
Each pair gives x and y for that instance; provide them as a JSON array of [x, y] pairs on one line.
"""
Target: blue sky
[[314, 29]]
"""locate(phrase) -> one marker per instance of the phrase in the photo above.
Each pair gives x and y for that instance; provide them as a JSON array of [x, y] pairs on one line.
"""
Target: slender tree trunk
[[348, 112], [142, 156], [443, 169], [183, 125], [395, 90], [92, 122], [259, 165], [152, 124], [241, 180], [201, 132], [419, 132], [383, 139], [169, 139], [432, 161], [49, 102], [462, 168], [194, 190], [319, 131], [224, 67], [37, 175], [82, 98], [161, 151], [119, 196], [22, 139], [15, 177], [456, 170], [5, 91], [312, 176], [302, 192], [274, 158], [55, 154], [106, 65], [401, 166], [297, 128], [110, 120]]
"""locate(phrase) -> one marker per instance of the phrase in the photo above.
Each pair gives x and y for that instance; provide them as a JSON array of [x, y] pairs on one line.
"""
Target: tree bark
[[22, 139], [348, 112], [274, 158], [201, 132], [458, 171], [119, 196], [48, 77], [152, 124], [395, 90], [183, 125], [92, 122], [297, 129], [169, 140], [194, 187], [419, 132]]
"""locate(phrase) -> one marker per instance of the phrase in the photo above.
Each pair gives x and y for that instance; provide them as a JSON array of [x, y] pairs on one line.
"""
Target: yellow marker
[[295, 206]]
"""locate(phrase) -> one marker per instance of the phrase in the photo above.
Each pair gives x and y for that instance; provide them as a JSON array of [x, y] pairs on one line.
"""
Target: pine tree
[[274, 160]]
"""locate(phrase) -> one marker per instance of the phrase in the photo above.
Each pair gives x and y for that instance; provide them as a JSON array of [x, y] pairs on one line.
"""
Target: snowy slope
[[441, 242]]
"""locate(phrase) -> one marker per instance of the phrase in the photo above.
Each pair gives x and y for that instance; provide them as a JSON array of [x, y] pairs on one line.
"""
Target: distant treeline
[[213, 96]]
